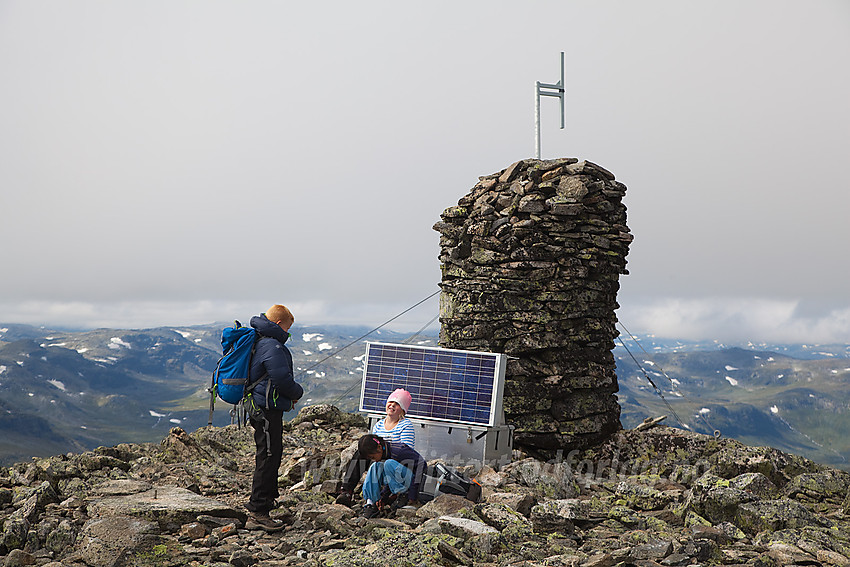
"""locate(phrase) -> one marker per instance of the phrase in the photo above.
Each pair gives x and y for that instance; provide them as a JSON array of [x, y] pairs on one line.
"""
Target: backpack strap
[[249, 386]]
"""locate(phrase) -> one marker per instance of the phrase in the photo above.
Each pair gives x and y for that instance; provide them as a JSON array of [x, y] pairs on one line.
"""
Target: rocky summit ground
[[658, 496]]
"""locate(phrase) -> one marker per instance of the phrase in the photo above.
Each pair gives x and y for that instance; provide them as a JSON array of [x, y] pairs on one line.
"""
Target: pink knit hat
[[401, 397]]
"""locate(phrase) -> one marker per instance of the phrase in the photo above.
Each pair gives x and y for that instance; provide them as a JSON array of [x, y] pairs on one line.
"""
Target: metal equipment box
[[460, 445]]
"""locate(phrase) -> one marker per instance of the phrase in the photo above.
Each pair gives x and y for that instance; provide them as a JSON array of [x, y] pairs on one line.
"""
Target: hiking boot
[[400, 501], [346, 499], [369, 511], [258, 521]]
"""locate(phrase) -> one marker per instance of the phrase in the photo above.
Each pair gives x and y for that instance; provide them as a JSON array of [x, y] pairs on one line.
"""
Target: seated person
[[393, 427], [394, 477]]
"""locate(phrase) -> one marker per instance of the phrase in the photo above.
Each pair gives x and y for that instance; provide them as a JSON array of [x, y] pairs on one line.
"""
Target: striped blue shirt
[[403, 432]]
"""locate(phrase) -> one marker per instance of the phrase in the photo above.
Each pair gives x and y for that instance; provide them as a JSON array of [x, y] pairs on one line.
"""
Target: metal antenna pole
[[545, 89]]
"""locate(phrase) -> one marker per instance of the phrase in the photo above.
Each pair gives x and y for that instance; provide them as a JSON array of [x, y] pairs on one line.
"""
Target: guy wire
[[360, 338], [657, 389], [405, 341], [409, 339], [716, 432]]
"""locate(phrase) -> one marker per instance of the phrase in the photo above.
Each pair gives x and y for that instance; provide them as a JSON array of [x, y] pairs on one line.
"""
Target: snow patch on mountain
[[116, 343]]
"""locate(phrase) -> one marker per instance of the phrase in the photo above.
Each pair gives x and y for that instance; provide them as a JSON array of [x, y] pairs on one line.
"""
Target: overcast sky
[[180, 162]]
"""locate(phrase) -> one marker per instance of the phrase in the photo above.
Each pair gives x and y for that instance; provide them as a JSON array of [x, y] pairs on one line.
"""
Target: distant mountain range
[[64, 391], [792, 397]]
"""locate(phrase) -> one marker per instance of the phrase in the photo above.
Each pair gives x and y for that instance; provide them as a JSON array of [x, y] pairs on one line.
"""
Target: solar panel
[[457, 386]]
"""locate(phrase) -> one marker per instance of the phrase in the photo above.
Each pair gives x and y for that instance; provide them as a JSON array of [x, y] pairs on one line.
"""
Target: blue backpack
[[231, 374]]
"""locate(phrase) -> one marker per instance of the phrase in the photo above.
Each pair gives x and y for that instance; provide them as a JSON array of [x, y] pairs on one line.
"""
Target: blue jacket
[[272, 366]]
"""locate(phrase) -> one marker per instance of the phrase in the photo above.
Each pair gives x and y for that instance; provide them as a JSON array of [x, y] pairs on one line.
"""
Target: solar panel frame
[[447, 385]]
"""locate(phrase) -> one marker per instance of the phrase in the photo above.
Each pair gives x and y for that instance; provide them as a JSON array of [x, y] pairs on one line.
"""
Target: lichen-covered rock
[[715, 499], [773, 515], [779, 467], [652, 497], [755, 483], [443, 505], [117, 541], [553, 480], [642, 497], [555, 516], [501, 517], [518, 501], [391, 548], [828, 485]]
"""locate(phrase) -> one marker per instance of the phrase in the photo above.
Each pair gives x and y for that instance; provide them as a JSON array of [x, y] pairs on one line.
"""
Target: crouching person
[[394, 477]]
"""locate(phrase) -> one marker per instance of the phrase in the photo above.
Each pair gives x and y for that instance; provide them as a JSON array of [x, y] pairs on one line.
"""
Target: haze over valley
[[64, 391]]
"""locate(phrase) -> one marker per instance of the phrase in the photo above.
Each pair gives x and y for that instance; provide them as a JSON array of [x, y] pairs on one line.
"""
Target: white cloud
[[775, 242], [735, 319], [146, 314]]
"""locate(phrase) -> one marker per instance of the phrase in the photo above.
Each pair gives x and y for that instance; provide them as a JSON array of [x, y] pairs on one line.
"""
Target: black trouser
[[354, 471], [268, 437]]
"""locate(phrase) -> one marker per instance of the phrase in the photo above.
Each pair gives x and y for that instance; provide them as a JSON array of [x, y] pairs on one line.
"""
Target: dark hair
[[369, 444]]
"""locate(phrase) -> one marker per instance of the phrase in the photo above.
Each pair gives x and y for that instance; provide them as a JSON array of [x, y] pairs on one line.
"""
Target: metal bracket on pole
[[545, 89]]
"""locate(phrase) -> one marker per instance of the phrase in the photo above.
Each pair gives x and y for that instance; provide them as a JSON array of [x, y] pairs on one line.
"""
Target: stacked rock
[[530, 260]]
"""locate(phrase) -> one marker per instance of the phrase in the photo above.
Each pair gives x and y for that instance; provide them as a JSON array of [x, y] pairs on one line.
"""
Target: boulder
[[118, 541], [170, 506]]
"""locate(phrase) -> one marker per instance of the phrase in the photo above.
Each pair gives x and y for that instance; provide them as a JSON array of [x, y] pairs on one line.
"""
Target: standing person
[[393, 479], [393, 427], [276, 392]]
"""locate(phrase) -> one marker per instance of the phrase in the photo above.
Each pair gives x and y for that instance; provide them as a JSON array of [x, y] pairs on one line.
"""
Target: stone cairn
[[530, 263]]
